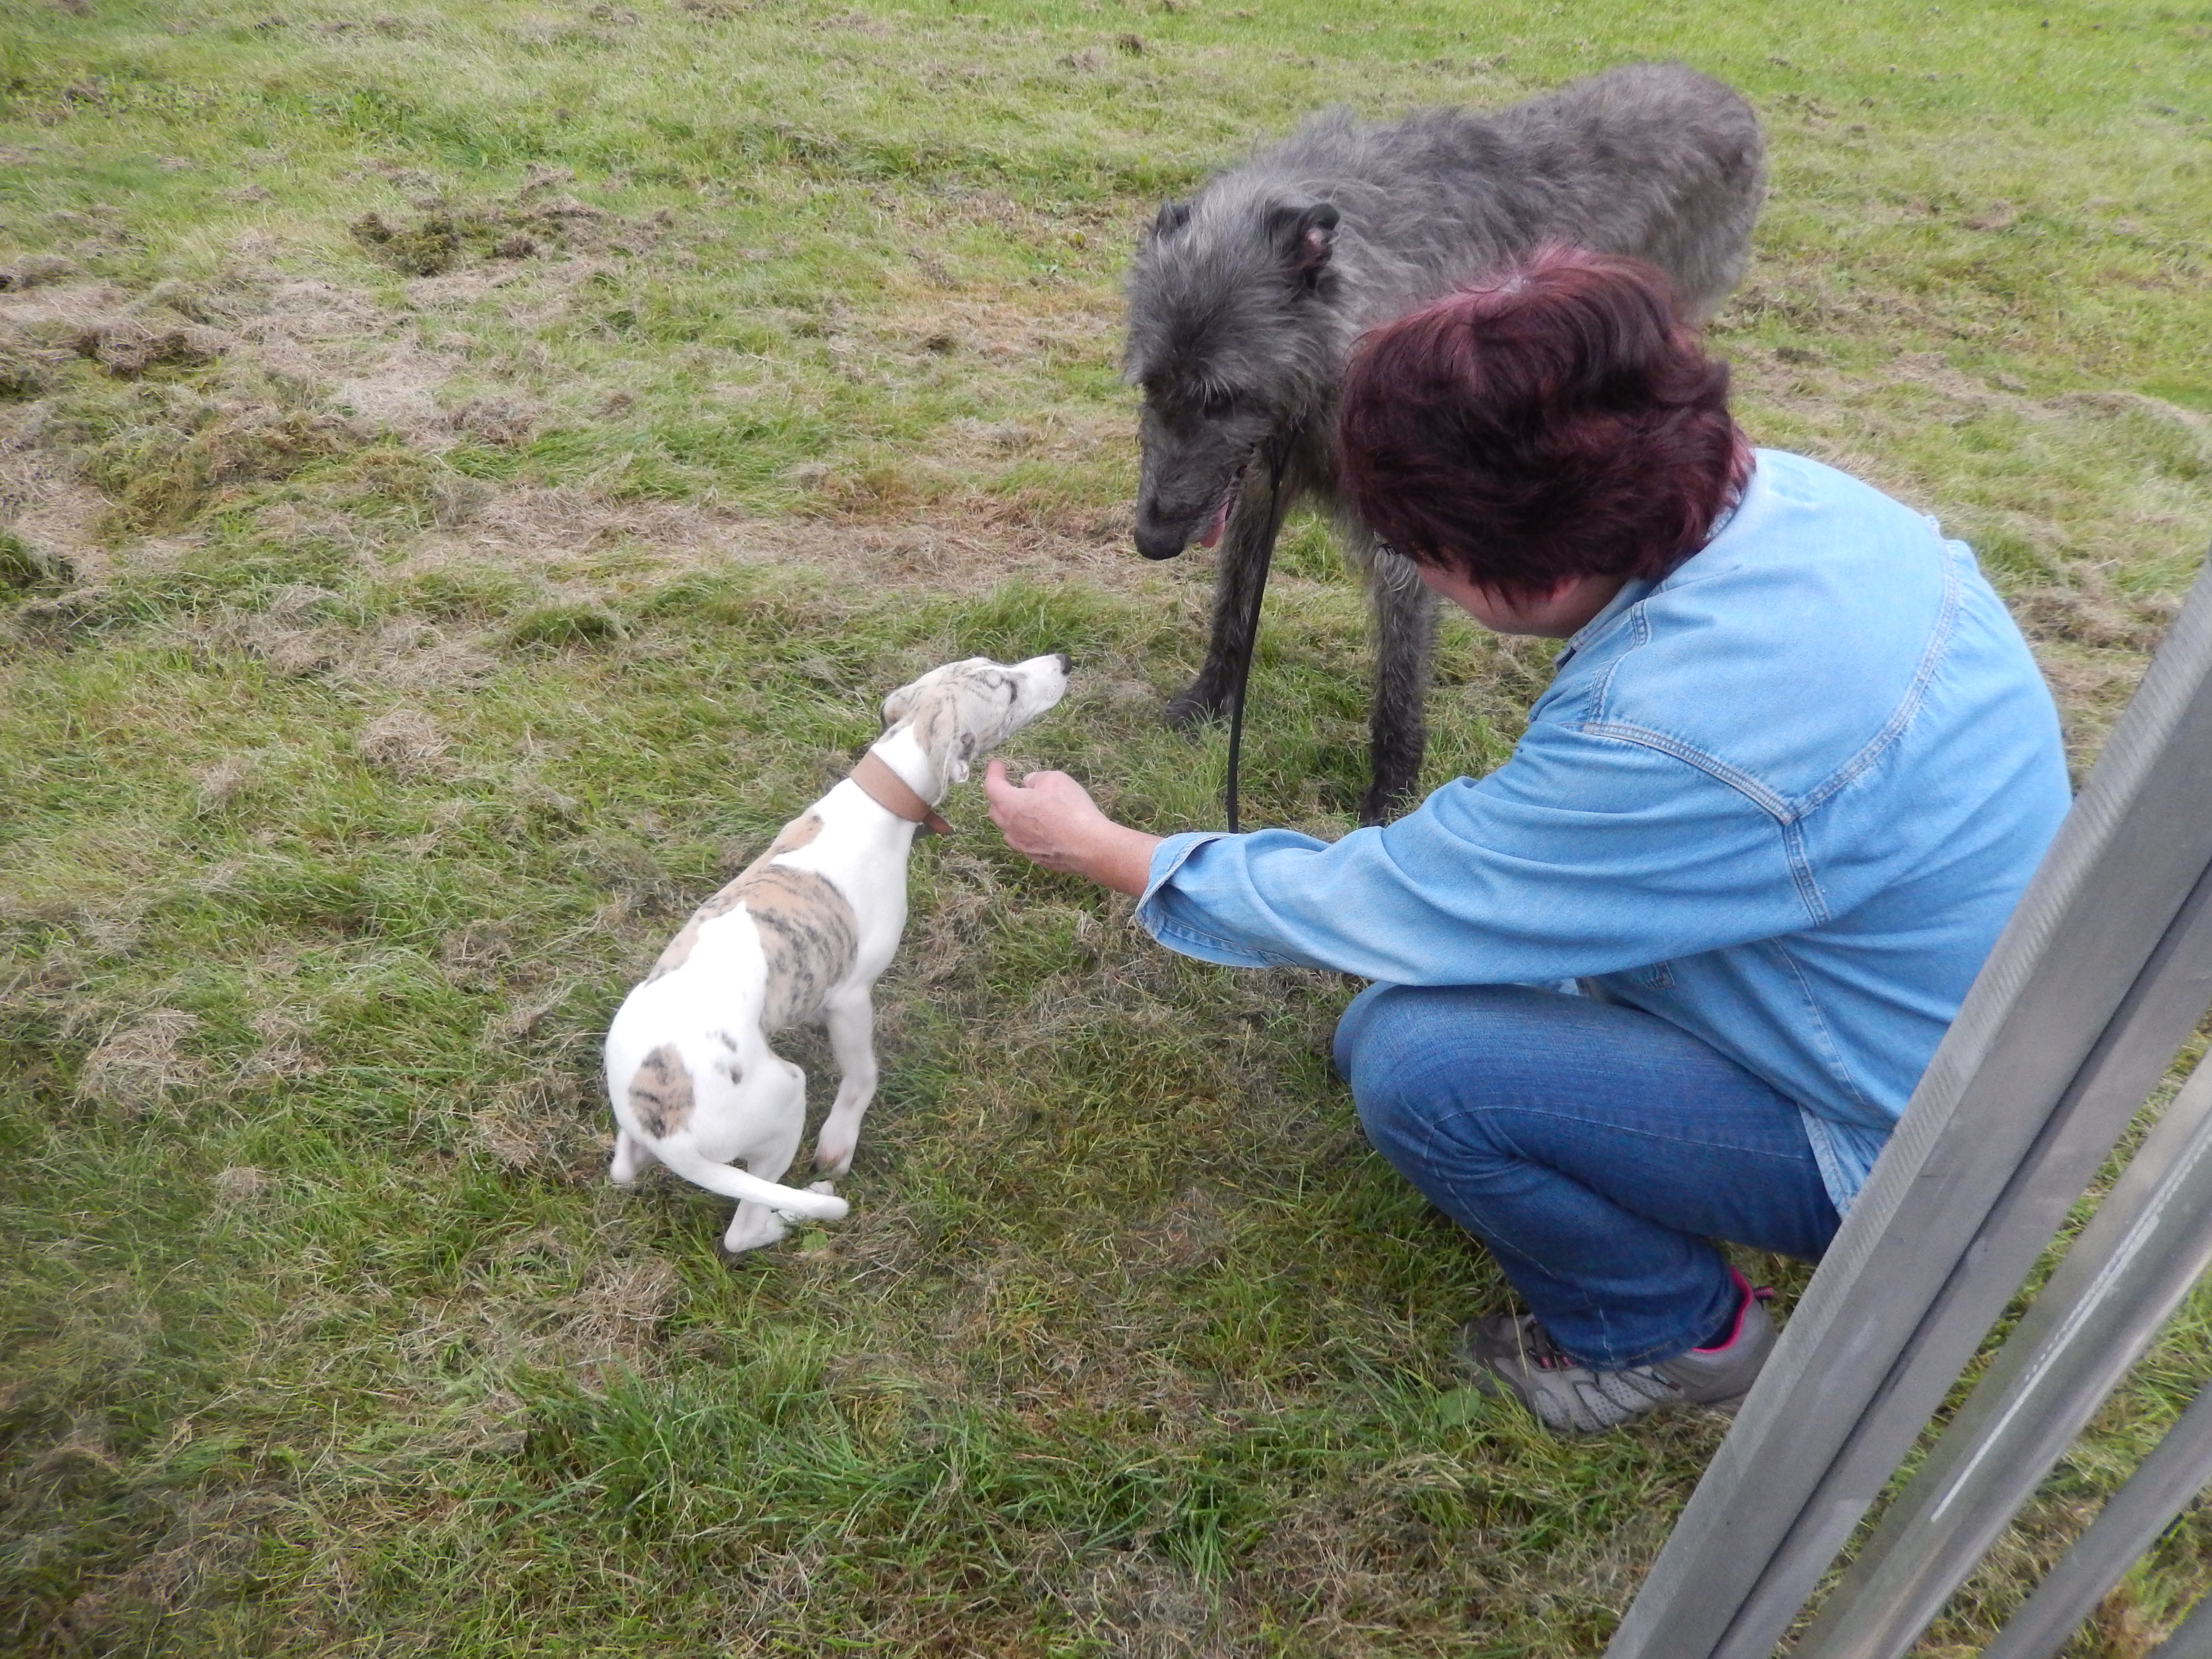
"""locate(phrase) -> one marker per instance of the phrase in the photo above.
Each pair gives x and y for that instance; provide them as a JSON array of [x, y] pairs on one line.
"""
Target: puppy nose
[[1061, 657]]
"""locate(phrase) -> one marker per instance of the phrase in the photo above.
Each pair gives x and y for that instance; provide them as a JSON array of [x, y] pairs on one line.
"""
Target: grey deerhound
[[1245, 300]]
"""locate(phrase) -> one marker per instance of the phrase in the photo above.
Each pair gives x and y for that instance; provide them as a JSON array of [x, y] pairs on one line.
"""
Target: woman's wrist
[[1122, 859]]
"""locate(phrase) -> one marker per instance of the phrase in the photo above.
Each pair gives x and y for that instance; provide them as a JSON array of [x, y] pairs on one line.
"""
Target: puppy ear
[[956, 763], [1173, 216], [897, 706], [1306, 236]]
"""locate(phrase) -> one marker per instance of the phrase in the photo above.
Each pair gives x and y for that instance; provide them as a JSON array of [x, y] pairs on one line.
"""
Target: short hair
[[1557, 418]]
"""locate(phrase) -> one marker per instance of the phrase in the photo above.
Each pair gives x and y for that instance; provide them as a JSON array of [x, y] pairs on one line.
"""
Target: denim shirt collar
[[1632, 593], [1637, 589]]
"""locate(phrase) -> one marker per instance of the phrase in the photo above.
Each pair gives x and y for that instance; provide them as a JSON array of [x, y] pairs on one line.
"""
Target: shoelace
[[1542, 1350]]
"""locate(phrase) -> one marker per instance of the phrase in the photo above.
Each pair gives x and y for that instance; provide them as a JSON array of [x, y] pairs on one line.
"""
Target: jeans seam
[[1429, 1164], [1436, 1123]]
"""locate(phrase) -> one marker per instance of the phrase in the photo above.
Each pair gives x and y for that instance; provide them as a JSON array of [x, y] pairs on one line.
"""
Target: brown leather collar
[[895, 795]]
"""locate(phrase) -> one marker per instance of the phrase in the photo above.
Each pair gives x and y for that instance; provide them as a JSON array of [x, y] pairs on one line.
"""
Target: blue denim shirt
[[1785, 798]]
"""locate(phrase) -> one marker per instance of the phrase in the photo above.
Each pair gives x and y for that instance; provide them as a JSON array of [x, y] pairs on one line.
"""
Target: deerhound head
[[1233, 341]]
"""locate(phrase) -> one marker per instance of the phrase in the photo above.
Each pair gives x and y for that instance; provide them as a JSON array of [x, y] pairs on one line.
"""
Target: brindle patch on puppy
[[809, 935], [660, 1093], [789, 839]]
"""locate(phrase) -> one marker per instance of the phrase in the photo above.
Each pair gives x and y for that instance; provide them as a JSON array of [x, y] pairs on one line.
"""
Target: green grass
[[391, 658]]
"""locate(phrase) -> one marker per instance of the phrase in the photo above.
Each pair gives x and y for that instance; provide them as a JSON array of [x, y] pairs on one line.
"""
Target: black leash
[[1276, 465]]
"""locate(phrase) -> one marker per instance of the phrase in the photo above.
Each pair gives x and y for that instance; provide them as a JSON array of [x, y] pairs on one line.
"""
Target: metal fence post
[[2027, 1083], [2133, 1264], [2121, 1070], [2192, 1638], [2179, 1467]]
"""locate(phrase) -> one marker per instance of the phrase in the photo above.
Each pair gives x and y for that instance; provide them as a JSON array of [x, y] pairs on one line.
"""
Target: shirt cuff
[[1168, 856]]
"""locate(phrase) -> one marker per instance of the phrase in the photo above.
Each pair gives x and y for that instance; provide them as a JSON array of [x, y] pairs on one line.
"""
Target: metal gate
[[2096, 984]]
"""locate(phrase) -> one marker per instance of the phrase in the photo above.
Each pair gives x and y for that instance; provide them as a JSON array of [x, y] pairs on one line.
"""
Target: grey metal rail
[[2179, 1467], [2135, 1261], [2080, 1008], [2192, 1639]]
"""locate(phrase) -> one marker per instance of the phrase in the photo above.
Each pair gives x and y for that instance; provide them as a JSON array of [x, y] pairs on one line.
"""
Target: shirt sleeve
[[1583, 855]]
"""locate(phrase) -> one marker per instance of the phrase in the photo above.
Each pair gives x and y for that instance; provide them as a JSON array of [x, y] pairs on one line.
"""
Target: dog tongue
[[1220, 523]]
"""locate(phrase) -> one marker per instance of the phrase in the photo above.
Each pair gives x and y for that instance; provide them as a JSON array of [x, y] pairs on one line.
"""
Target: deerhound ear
[[1173, 215], [1307, 236]]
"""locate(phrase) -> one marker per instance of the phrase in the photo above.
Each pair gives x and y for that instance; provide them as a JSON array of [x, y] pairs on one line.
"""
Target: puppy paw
[[753, 1235], [835, 1157]]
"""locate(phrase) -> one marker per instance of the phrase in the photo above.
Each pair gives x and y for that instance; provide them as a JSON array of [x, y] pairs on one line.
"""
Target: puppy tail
[[733, 1182]]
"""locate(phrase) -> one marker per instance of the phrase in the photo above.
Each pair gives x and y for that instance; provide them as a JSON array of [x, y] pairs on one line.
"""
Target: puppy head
[[966, 709]]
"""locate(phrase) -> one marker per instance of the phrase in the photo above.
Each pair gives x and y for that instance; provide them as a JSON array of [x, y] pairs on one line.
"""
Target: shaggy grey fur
[[1245, 300]]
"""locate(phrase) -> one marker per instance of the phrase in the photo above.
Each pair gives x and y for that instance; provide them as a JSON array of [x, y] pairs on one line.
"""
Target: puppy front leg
[[852, 1023]]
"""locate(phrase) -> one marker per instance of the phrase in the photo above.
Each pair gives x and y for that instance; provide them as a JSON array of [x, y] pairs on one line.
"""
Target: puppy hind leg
[[631, 1156], [852, 1025], [1405, 642], [769, 1157]]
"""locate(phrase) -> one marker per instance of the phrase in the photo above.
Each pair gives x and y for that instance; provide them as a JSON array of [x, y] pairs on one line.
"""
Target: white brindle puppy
[[800, 938]]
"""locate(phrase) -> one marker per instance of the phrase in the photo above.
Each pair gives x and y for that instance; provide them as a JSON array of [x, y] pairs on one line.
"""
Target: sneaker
[[1511, 1353]]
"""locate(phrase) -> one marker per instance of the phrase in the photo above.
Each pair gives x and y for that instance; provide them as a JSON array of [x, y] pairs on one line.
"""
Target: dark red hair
[[1556, 419]]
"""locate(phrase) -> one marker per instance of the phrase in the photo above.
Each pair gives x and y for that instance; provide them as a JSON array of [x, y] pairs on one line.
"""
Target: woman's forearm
[[1122, 859]]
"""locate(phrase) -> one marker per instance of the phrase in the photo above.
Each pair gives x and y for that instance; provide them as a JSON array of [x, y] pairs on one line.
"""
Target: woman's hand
[[1050, 819]]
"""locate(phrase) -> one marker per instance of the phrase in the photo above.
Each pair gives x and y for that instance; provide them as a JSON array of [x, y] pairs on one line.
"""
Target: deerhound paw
[[1196, 705], [1382, 802]]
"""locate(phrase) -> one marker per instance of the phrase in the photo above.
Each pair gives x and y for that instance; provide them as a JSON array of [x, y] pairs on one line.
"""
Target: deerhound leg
[[1254, 523], [1404, 639]]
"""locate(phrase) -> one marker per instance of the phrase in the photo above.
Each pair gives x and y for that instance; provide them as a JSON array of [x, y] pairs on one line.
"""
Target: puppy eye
[[1218, 403]]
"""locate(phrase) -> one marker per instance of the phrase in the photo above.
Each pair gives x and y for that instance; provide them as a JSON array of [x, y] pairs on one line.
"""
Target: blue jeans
[[1597, 1150]]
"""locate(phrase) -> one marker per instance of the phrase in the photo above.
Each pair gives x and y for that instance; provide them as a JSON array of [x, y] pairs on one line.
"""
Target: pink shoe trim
[[1745, 1296]]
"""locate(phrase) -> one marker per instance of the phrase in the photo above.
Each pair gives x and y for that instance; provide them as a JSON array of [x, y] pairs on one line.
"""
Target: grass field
[[468, 472]]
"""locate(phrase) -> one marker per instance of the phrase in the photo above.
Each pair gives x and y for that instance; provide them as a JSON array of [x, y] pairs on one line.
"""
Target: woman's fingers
[[1043, 816], [1050, 819]]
